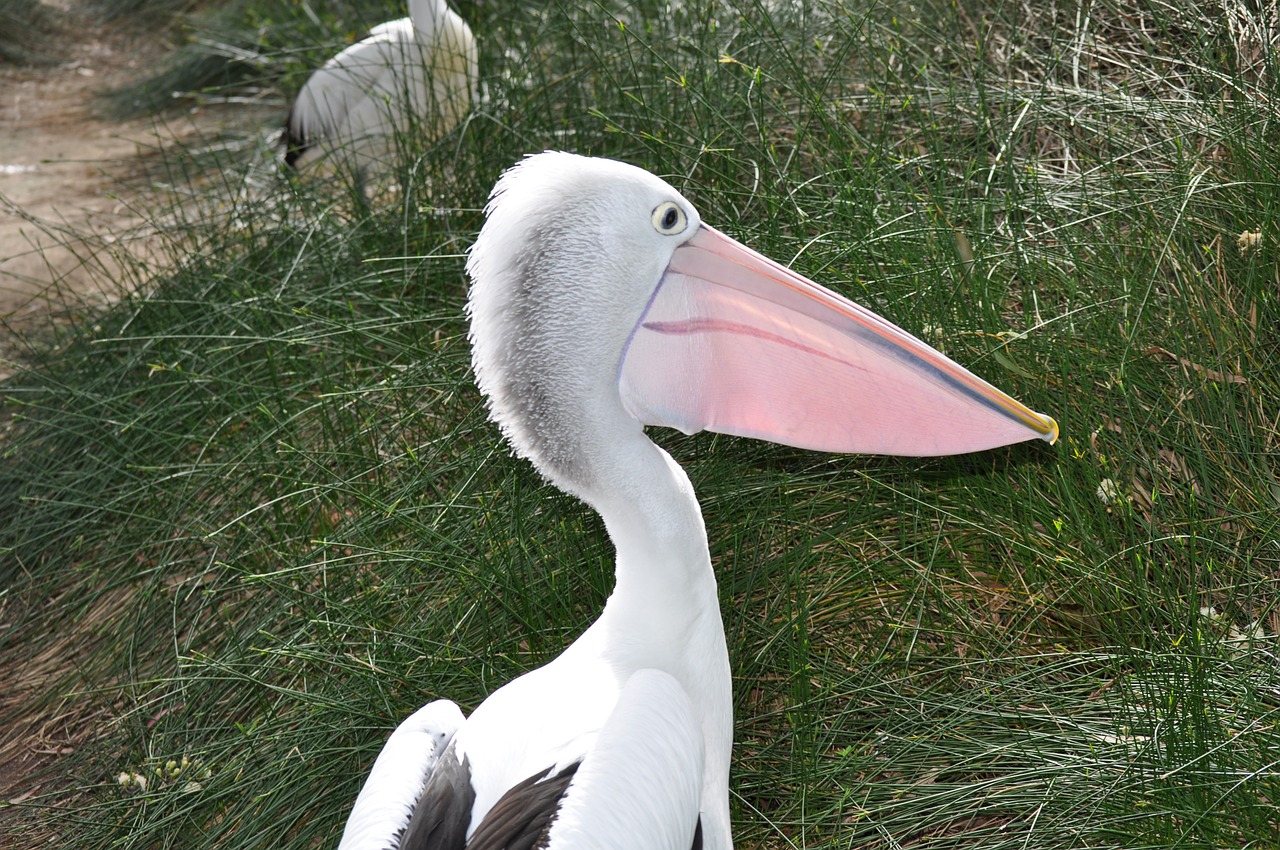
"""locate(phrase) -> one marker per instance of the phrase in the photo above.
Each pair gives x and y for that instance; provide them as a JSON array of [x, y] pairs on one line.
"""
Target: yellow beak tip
[[1051, 430]]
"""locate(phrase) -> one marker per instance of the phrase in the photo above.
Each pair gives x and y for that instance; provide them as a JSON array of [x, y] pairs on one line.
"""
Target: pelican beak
[[735, 343]]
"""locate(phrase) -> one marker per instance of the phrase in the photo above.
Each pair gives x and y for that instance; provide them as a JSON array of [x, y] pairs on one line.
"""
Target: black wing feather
[[522, 819], [443, 813], [294, 139]]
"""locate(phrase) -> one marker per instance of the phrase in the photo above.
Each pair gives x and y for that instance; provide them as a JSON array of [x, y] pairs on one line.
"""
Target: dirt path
[[58, 165], [70, 188]]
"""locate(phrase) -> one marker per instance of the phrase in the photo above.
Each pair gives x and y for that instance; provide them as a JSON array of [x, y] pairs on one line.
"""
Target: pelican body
[[600, 303], [414, 73]]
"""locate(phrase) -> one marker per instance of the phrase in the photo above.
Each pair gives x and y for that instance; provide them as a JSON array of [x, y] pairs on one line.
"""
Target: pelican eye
[[668, 218]]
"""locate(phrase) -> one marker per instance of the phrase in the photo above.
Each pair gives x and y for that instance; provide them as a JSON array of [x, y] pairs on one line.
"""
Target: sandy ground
[[71, 181], [60, 166]]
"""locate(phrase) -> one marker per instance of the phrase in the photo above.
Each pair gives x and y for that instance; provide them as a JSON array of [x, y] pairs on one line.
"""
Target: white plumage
[[398, 776], [413, 74], [651, 741]]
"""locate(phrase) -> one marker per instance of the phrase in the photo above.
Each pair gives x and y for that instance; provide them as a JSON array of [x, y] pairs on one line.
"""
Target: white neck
[[547, 334], [427, 14], [664, 611], [664, 575]]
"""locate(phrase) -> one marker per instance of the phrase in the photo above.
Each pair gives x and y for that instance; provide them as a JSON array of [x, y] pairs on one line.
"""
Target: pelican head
[[601, 303], [562, 271]]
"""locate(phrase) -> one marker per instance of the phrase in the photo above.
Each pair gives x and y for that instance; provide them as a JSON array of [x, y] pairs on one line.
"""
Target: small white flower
[[1107, 491], [127, 779]]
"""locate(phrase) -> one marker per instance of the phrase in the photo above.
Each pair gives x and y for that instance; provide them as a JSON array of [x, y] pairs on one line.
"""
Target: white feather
[[642, 776], [562, 271], [413, 73], [395, 783]]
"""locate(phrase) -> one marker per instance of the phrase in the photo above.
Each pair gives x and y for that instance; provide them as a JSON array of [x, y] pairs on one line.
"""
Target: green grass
[[254, 515]]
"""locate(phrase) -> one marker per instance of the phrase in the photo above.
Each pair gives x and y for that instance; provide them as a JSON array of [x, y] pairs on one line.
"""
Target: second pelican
[[417, 72]]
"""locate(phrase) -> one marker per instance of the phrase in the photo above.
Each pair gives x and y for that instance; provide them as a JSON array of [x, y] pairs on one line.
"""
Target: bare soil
[[59, 164], [71, 184]]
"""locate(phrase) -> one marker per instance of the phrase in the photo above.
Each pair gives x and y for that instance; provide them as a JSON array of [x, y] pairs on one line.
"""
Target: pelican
[[421, 69], [600, 303]]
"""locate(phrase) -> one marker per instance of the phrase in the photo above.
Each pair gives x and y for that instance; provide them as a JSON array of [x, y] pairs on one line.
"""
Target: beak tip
[[1050, 435]]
